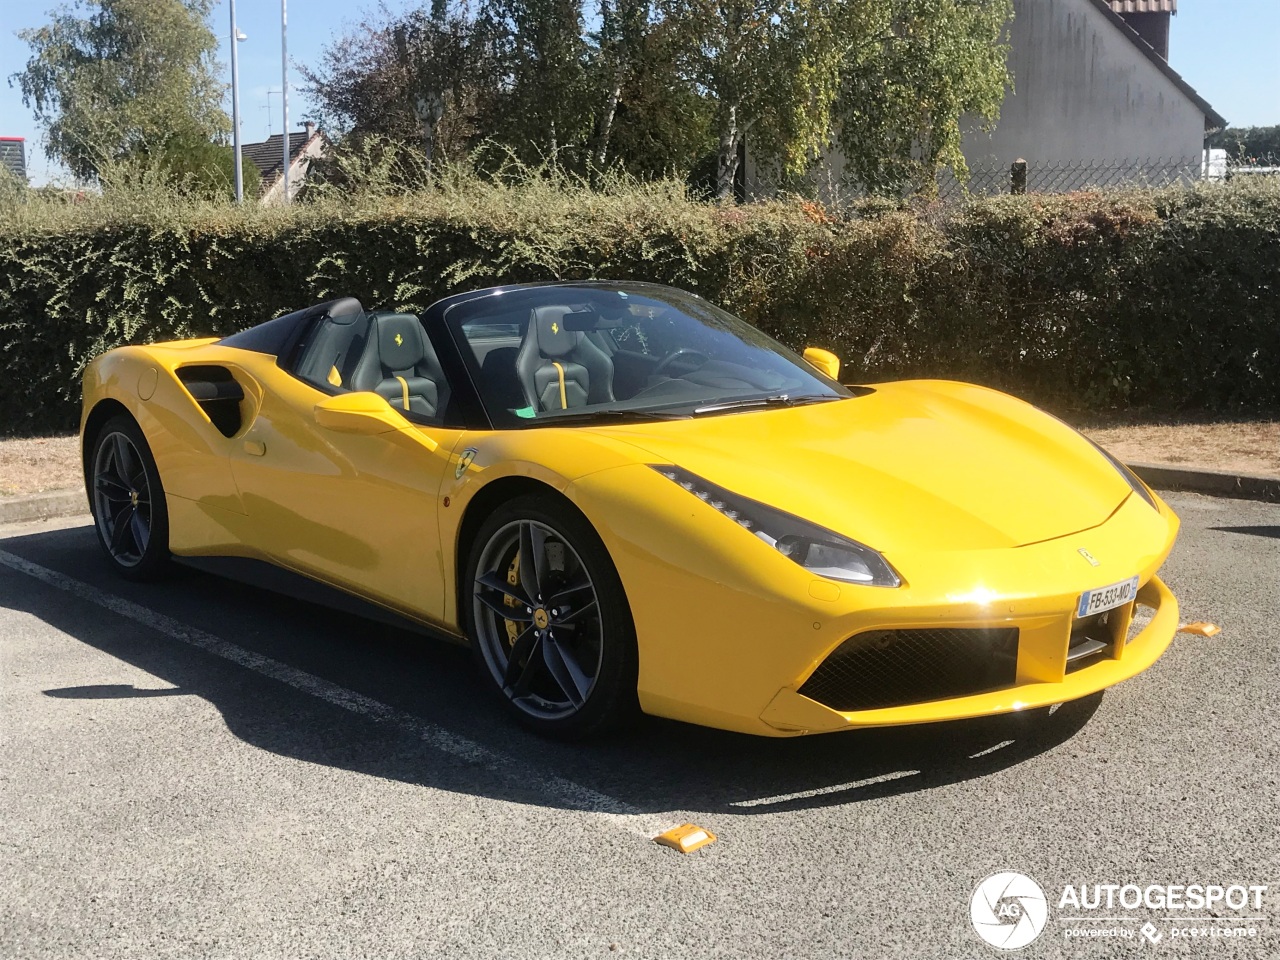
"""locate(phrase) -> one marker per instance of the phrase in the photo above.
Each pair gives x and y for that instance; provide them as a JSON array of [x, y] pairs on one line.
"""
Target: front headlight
[[817, 549]]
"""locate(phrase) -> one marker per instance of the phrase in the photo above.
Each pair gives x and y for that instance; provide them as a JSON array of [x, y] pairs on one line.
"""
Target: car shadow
[[659, 766], [1273, 532]]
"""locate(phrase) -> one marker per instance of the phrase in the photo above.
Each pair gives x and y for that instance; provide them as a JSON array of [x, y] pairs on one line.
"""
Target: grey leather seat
[[399, 364], [560, 368]]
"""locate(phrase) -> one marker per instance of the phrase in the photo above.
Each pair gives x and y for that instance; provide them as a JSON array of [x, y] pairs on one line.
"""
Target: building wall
[[1084, 91], [13, 156], [298, 170]]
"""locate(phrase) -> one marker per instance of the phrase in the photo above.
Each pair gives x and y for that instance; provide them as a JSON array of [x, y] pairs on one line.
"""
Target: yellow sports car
[[623, 498]]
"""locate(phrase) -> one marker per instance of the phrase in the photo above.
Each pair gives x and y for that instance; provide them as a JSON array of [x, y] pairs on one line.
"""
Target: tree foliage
[[910, 71], [538, 104], [1257, 145], [658, 85], [198, 167], [108, 78]]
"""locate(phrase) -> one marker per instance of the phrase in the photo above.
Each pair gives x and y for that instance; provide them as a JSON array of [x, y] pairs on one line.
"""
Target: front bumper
[[729, 630], [790, 712]]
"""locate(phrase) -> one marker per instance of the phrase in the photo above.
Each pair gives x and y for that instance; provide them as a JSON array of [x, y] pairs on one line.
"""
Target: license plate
[[1107, 598]]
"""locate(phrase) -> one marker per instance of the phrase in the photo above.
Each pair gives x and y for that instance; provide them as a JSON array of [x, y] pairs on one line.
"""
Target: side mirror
[[362, 412], [824, 361]]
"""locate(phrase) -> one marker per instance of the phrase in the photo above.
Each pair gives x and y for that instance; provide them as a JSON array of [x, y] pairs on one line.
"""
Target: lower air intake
[[891, 668]]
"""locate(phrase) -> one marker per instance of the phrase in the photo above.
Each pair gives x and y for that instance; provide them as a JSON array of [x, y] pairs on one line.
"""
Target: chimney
[[310, 127]]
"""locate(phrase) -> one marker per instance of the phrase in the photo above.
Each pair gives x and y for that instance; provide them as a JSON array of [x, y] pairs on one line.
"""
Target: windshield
[[588, 353]]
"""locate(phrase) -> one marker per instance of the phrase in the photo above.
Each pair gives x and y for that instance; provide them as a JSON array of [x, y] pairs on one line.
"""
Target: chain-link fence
[[1022, 176]]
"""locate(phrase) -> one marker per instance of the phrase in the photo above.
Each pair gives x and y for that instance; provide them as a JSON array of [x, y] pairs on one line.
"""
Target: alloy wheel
[[122, 499], [537, 619]]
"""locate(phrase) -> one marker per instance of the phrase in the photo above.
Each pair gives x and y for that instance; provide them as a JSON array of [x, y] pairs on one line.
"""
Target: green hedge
[[1092, 302]]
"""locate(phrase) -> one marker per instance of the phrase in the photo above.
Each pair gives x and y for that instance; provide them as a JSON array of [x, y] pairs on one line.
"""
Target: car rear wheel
[[549, 621], [128, 502]]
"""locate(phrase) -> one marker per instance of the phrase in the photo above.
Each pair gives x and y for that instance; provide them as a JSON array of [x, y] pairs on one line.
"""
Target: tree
[[800, 75], [619, 51], [109, 77], [648, 121], [406, 78], [433, 50], [205, 169], [916, 68], [537, 100], [765, 63], [1252, 145]]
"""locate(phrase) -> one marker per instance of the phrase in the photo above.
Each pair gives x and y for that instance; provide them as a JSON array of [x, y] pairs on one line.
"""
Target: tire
[[127, 500], [562, 657]]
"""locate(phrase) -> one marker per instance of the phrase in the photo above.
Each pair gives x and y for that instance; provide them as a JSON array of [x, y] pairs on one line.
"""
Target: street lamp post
[[236, 37], [284, 89]]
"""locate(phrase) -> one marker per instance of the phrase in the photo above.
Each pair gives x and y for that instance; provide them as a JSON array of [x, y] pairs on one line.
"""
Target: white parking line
[[823, 791], [614, 812]]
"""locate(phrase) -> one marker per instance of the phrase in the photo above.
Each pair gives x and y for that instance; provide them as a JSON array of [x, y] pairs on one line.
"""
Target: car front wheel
[[128, 502], [549, 621]]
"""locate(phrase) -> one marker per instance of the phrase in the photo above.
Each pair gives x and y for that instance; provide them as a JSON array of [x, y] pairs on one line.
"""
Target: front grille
[[1091, 641], [890, 668]]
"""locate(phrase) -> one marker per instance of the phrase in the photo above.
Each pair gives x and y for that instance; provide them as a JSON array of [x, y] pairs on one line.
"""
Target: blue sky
[[1226, 49]]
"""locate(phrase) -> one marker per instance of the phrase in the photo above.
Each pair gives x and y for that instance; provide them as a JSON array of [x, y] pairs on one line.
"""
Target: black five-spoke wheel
[[128, 502], [549, 622]]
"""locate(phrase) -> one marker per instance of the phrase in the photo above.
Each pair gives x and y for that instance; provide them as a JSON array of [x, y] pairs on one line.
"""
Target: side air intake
[[217, 393]]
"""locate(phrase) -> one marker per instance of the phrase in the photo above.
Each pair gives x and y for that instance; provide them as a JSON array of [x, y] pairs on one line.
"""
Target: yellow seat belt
[[404, 386], [564, 400]]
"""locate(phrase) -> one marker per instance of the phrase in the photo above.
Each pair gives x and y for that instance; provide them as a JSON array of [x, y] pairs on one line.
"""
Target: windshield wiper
[[777, 400], [588, 416]]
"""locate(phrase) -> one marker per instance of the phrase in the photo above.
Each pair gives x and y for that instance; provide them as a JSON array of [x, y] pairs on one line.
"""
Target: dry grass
[[53, 463], [1252, 447], [33, 466]]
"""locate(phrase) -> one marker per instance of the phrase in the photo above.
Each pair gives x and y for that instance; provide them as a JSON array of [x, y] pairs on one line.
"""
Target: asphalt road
[[205, 769]]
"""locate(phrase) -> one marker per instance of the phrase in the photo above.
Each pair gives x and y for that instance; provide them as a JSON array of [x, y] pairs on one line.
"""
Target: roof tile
[[267, 155], [1144, 6]]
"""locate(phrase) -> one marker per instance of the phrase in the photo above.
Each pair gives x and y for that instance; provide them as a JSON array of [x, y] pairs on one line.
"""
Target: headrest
[[400, 340], [554, 340]]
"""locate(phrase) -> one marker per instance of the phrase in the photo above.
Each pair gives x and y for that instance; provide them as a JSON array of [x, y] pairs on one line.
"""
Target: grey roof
[[266, 156], [1213, 120], [13, 156]]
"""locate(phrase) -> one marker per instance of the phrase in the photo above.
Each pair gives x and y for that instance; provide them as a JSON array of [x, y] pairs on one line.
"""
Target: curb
[[44, 506], [1239, 486]]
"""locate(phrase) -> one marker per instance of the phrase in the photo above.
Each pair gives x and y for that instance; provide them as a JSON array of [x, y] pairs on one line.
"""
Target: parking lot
[[203, 768]]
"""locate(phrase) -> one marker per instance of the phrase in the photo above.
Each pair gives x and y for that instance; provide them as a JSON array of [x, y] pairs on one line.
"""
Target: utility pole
[[236, 37], [284, 88]]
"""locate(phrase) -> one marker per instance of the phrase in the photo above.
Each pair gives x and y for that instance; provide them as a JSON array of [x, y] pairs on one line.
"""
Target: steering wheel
[[675, 355]]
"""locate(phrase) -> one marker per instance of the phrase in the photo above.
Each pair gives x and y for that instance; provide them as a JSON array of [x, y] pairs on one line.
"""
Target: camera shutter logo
[[1008, 910]]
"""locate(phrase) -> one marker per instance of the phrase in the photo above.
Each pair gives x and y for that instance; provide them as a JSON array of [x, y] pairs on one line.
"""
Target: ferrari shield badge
[[468, 455]]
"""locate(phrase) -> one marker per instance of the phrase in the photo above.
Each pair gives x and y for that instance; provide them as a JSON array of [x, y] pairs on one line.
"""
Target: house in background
[[13, 156], [1091, 84], [1094, 101], [268, 157]]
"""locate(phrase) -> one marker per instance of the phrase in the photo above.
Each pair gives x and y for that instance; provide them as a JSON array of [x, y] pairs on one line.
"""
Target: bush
[[1089, 302]]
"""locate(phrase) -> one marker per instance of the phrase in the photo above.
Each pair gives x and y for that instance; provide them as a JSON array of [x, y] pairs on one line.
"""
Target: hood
[[916, 465]]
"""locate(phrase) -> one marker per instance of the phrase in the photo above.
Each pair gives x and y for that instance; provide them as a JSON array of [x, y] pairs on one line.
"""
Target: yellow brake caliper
[[513, 578]]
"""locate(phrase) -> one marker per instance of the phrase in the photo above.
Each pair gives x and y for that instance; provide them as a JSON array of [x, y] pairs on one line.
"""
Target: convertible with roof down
[[625, 499]]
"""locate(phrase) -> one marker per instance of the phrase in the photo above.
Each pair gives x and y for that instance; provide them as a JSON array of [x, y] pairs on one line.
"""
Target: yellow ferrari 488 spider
[[623, 498]]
